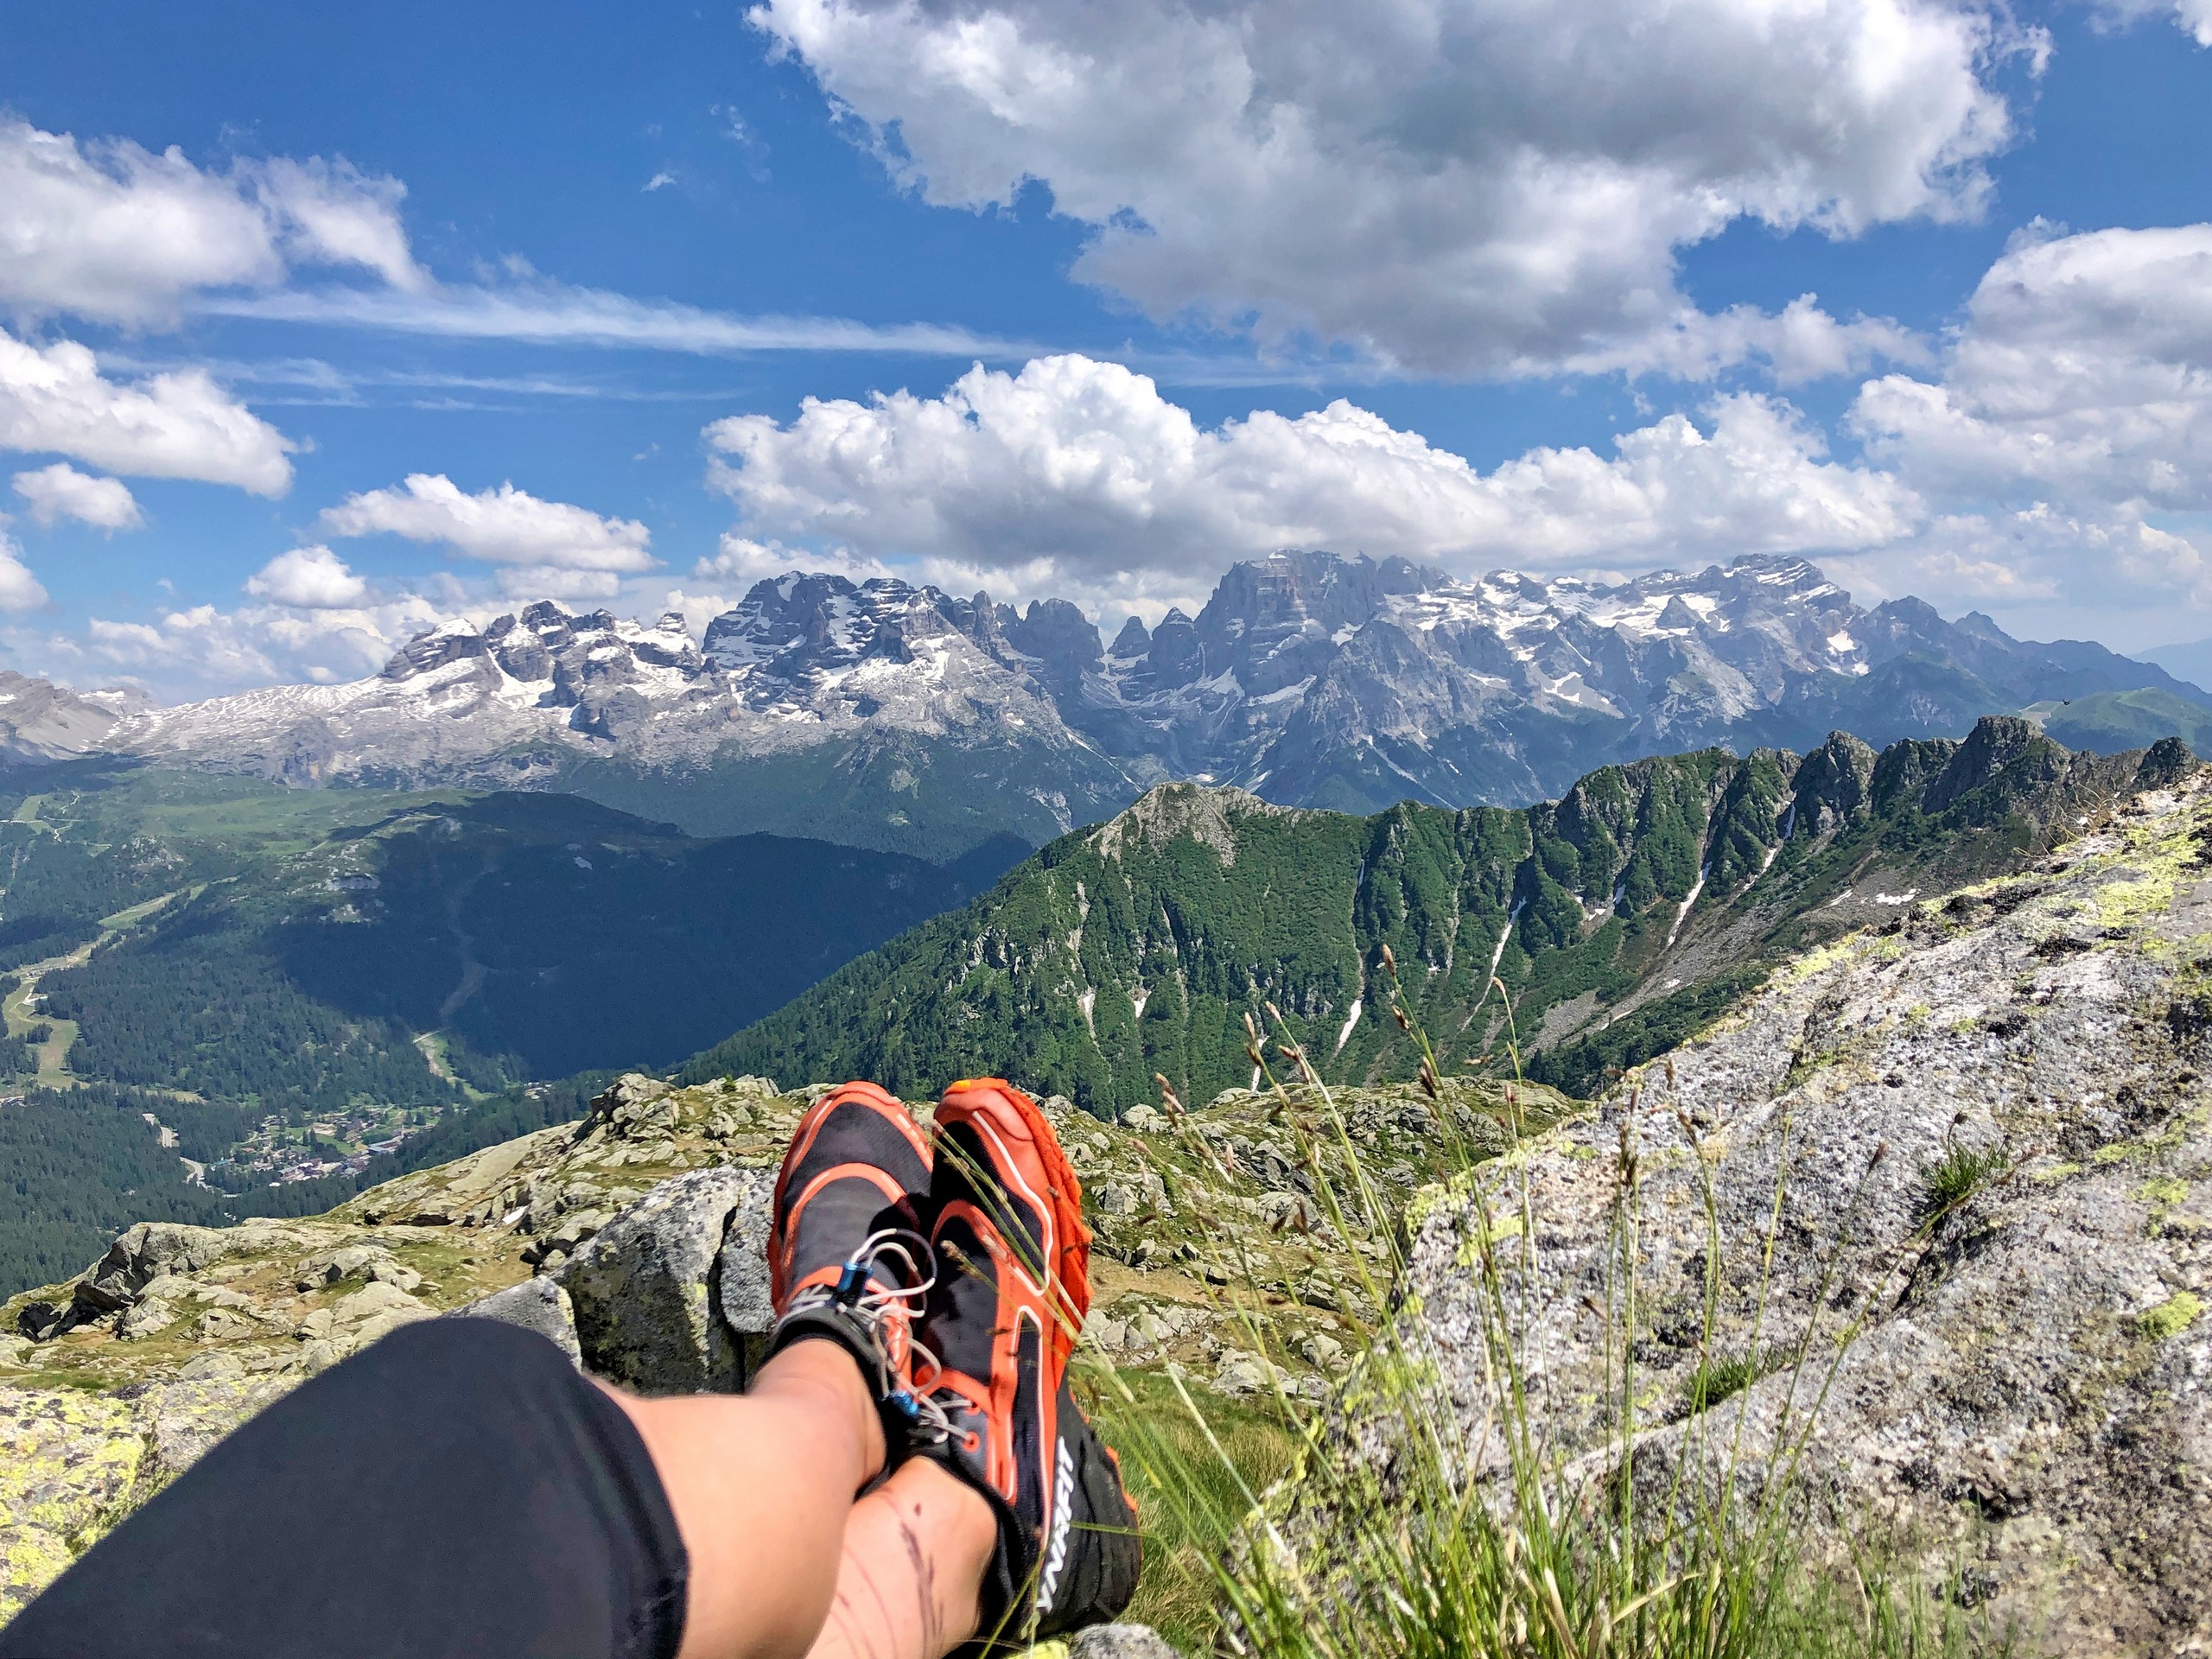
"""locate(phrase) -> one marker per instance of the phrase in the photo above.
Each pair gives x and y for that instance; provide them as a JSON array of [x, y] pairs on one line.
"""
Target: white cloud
[[1446, 185], [178, 424], [19, 588], [112, 232], [61, 492], [2192, 18], [552, 546], [2065, 441], [309, 578], [739, 562], [544, 313], [1079, 473], [200, 650], [2082, 374]]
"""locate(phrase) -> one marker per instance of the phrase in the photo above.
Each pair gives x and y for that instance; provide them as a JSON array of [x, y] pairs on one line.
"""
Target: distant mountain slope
[[1618, 918], [303, 966], [2190, 661], [883, 715], [269, 982], [873, 719], [40, 720], [2110, 721], [1316, 681]]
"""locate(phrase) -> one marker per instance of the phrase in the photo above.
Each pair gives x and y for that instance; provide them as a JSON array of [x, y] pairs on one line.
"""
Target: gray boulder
[[151, 1250], [645, 1288], [1120, 1641], [537, 1305], [741, 1269]]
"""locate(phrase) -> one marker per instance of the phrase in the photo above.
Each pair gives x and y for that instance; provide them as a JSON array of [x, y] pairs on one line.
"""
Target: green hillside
[[2112, 720], [281, 979], [1618, 918]]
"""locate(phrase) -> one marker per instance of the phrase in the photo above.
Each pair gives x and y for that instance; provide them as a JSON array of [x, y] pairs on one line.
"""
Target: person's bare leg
[[915, 1551], [762, 1487]]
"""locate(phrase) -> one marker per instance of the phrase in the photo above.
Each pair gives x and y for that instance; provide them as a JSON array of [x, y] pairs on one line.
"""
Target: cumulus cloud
[[201, 649], [740, 561], [110, 230], [2082, 374], [309, 578], [1079, 472], [1454, 186], [19, 588], [179, 424], [547, 547], [61, 492]]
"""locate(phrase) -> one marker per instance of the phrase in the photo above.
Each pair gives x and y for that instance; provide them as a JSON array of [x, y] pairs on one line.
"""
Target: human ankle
[[816, 1375]]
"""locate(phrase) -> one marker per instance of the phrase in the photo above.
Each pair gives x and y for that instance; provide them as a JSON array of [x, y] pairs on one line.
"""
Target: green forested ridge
[[1138, 947]]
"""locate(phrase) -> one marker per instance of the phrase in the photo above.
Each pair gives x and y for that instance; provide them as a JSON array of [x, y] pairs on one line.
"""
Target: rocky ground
[[1991, 1126], [1989, 1120], [635, 1239]]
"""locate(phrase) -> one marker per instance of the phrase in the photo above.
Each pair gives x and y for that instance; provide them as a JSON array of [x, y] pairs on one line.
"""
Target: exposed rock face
[[40, 720], [73, 1463], [2027, 1388], [650, 1287], [880, 685], [1119, 1641], [539, 1305]]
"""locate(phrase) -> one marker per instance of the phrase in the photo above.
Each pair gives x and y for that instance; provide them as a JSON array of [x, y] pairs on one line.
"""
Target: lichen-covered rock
[[538, 1305], [73, 1464], [643, 1290], [1991, 1126], [68, 1462], [368, 1263]]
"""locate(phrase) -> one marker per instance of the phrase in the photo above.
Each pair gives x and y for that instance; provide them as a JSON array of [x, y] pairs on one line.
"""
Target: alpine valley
[[888, 715]]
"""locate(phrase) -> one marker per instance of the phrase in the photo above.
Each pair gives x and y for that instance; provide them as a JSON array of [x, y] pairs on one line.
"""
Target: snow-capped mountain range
[[891, 714]]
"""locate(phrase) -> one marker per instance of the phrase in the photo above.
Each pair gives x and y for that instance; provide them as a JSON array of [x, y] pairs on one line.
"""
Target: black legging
[[457, 1489]]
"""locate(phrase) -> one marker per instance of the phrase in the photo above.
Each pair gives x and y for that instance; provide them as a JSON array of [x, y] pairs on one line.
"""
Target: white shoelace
[[872, 1297]]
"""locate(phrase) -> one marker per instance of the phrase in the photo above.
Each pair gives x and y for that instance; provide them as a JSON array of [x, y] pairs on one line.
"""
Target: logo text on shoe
[[1056, 1555]]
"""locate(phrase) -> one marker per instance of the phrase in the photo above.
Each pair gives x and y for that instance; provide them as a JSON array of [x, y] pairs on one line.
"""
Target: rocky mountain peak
[[1987, 1115], [1314, 679], [1169, 811], [40, 721]]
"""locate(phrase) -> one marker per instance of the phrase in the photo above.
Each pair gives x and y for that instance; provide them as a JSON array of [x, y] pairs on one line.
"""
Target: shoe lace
[[886, 1304]]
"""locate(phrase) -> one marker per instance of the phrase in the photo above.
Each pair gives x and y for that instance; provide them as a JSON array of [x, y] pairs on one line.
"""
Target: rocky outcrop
[[1991, 1127], [73, 1464], [650, 1288], [539, 1305]]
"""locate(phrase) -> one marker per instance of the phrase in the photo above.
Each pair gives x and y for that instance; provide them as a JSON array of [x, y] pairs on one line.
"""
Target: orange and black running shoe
[[1012, 1286], [849, 1256]]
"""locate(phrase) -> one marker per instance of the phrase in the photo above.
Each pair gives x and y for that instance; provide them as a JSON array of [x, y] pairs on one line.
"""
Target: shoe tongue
[[964, 1304], [836, 1220]]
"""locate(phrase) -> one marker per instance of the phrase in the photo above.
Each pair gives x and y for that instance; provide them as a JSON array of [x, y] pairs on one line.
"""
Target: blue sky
[[1437, 285]]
